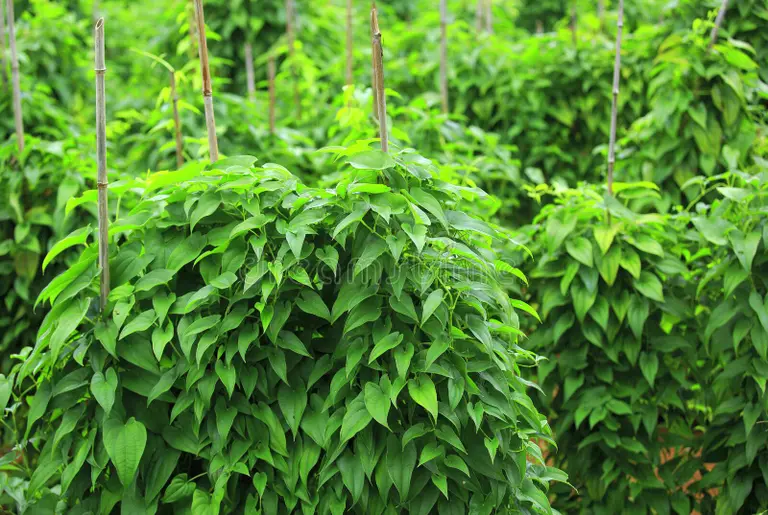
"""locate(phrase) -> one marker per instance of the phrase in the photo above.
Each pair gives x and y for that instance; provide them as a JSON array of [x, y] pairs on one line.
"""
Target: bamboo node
[[102, 185]]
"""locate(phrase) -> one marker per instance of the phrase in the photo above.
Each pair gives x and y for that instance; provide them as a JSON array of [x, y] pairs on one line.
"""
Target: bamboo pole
[[17, 117], [202, 44], [489, 16], [249, 73], [190, 9], [272, 100], [101, 160], [574, 19], [350, 48], [176, 121], [374, 85], [290, 30], [614, 105], [601, 13], [378, 72], [718, 23], [539, 27], [444, 56], [2, 49], [479, 15]]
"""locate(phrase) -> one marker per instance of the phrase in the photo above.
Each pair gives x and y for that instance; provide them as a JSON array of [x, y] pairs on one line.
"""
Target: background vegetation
[[467, 321]]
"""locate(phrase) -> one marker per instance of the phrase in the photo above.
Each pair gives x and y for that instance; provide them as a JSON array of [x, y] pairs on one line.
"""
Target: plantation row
[[420, 290]]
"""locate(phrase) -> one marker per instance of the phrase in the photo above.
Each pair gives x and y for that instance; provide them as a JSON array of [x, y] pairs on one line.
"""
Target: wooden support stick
[[250, 75], [614, 106], [272, 100], [202, 44], [444, 56], [479, 15], [4, 72], [290, 30], [380, 105], [718, 24], [350, 48], [489, 16], [601, 13], [176, 121], [101, 161], [17, 117]]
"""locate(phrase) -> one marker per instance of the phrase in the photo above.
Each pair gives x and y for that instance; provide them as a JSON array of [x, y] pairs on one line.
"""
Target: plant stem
[[17, 118], [614, 105], [176, 121], [444, 56], [350, 46], [380, 105], [718, 23], [601, 13], [4, 72], [101, 160], [249, 73], [202, 44], [271, 82], [291, 32]]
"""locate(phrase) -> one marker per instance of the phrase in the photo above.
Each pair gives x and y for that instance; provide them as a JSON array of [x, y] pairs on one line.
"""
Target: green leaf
[[436, 349], [758, 306], [400, 465], [430, 305], [227, 375], [649, 366], [352, 474], [386, 343], [371, 160], [125, 446], [609, 265], [649, 285], [139, 323], [103, 388], [422, 391], [370, 254], [160, 338], [154, 278], [604, 236], [355, 419], [292, 402], [431, 451], [180, 488], [647, 244], [583, 299], [417, 234], [224, 281], [581, 250], [377, 403], [745, 247], [76, 237]]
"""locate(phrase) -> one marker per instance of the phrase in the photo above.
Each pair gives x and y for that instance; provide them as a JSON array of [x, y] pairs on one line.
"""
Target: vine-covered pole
[[17, 117], [202, 45], [444, 56], [101, 160], [614, 105], [718, 23], [380, 104], [250, 74]]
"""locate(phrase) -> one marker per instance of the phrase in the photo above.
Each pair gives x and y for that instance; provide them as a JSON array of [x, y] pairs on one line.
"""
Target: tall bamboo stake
[[718, 23], [176, 121], [374, 78], [190, 9], [601, 13], [250, 75], [101, 160], [444, 56], [350, 48], [17, 118], [614, 105], [479, 15], [290, 30], [272, 100], [573, 24], [539, 27], [4, 72], [378, 72], [489, 16], [202, 45]]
